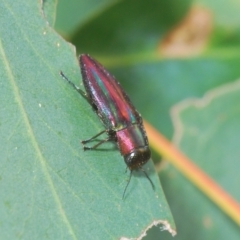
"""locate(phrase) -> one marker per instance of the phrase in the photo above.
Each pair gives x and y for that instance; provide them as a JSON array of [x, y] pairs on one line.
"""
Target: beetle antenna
[[127, 184], [75, 87], [148, 178]]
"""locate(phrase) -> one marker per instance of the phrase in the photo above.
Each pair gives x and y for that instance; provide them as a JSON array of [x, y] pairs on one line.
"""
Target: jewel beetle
[[123, 124]]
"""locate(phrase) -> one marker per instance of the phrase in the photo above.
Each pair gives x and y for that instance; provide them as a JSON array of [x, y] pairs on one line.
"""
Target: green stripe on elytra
[[111, 103]]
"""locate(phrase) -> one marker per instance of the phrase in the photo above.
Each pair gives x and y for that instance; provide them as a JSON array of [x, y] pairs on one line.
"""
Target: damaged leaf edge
[[166, 226]]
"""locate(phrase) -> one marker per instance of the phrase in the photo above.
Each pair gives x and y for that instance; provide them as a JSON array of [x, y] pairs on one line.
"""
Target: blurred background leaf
[[208, 133]]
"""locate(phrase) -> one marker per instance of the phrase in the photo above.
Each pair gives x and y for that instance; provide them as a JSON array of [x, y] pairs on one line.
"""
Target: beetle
[[123, 124]]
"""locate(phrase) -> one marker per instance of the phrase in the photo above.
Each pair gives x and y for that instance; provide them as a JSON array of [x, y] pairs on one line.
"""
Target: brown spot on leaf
[[190, 36]]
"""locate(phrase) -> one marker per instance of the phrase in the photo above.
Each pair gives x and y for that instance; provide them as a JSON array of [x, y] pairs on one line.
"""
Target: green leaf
[[74, 14], [129, 28], [207, 130], [49, 187], [226, 32], [225, 14], [49, 10]]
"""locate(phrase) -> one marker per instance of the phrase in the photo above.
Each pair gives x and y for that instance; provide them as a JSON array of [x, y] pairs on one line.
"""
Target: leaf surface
[[51, 188]]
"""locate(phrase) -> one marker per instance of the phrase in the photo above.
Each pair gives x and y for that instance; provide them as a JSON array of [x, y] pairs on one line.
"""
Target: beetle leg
[[90, 139], [95, 146], [111, 137]]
